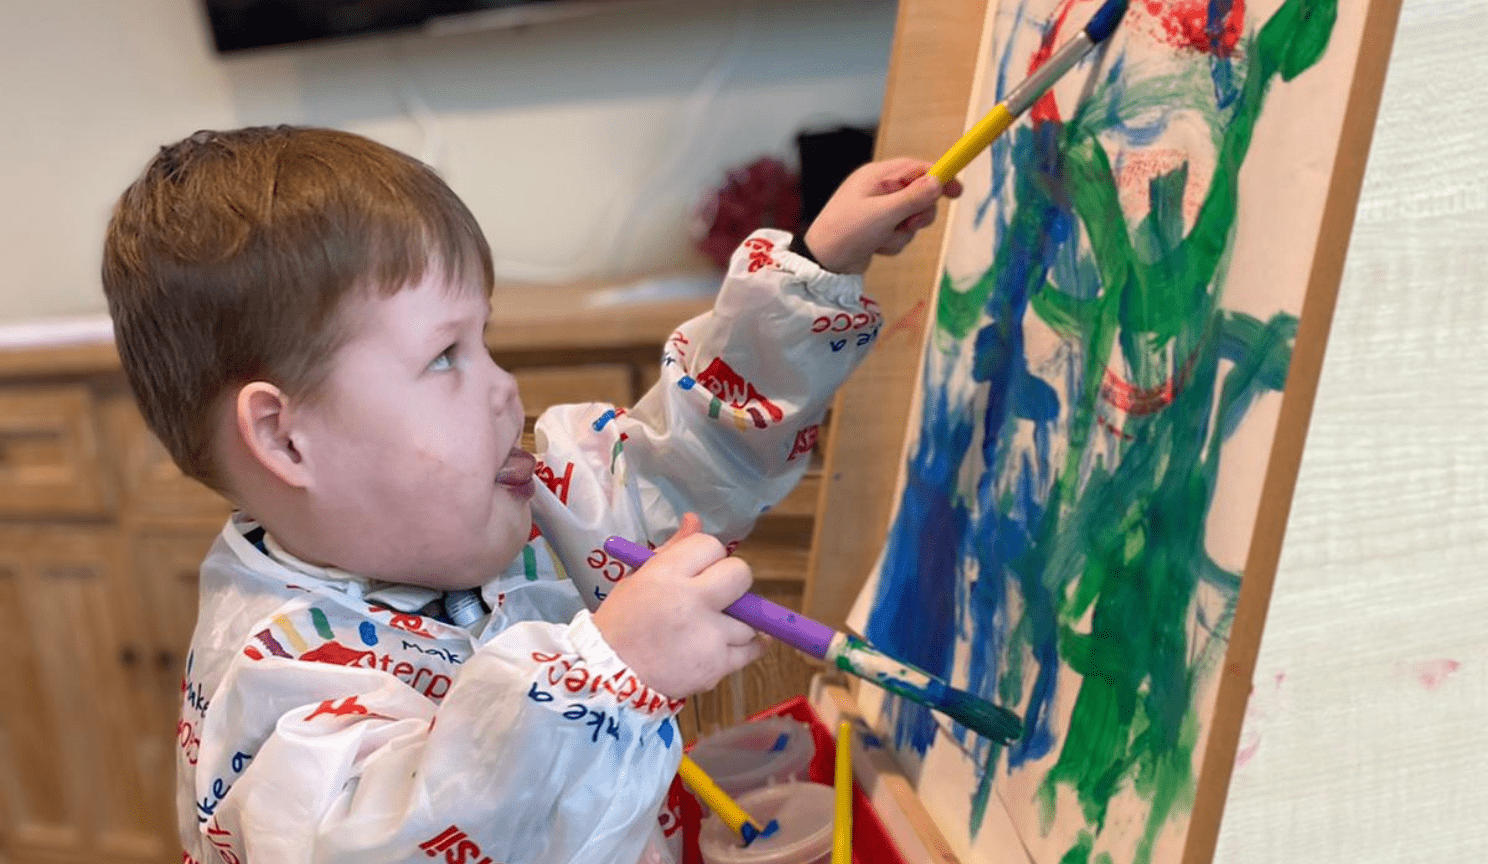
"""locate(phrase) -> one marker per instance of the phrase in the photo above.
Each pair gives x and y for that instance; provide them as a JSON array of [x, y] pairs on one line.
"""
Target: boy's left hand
[[876, 210], [666, 620]]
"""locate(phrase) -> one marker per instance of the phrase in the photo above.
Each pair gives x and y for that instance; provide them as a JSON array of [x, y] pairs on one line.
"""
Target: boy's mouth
[[517, 471]]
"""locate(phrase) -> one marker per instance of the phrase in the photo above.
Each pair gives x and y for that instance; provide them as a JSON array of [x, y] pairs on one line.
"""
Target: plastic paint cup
[[745, 757], [802, 810]]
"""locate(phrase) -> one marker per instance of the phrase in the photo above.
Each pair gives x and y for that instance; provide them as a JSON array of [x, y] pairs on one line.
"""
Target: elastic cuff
[[590, 644], [798, 246]]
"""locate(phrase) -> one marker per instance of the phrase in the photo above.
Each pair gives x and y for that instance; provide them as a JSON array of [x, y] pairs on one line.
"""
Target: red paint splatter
[[1138, 401], [914, 318], [1107, 425], [1045, 109], [1432, 673], [1134, 400], [1185, 25], [1136, 169], [1257, 710]]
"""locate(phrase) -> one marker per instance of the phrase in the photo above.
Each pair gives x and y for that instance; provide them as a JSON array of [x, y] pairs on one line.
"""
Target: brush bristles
[[980, 716], [1103, 22]]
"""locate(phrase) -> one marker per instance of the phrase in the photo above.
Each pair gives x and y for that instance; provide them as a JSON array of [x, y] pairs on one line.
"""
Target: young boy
[[388, 663]]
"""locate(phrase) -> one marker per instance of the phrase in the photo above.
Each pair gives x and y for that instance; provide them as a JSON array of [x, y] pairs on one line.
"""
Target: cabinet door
[[167, 564], [155, 490], [81, 755]]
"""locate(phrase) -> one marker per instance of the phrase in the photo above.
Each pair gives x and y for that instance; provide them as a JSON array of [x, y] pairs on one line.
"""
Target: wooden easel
[[936, 56]]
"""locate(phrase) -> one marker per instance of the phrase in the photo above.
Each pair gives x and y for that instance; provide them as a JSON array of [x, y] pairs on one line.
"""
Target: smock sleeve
[[728, 429]]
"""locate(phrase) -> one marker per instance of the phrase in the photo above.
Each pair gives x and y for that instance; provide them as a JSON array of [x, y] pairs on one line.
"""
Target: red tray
[[871, 843]]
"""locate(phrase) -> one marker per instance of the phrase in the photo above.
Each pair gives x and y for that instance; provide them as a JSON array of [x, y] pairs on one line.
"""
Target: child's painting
[[1098, 402]]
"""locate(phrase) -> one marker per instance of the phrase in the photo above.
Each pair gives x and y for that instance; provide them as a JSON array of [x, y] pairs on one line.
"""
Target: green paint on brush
[[858, 658]]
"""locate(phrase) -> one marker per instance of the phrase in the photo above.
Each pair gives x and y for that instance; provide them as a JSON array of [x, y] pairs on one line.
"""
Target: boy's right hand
[[876, 211], [665, 621]]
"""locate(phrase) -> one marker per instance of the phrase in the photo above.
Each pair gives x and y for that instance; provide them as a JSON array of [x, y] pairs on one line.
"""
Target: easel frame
[[935, 58]]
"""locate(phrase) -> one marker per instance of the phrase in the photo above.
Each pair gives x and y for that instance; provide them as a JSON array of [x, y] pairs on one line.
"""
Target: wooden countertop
[[529, 317], [525, 317]]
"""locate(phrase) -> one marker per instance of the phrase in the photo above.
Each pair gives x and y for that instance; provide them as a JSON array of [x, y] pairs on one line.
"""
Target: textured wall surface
[[1365, 737]]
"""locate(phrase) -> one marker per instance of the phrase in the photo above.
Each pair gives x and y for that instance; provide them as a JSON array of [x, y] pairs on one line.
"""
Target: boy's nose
[[505, 397]]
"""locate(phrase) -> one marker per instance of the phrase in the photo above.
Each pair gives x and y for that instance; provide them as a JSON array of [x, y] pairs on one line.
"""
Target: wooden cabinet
[[83, 725], [101, 536], [49, 459]]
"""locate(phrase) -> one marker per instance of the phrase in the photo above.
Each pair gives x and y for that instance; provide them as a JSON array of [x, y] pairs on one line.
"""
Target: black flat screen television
[[241, 25]]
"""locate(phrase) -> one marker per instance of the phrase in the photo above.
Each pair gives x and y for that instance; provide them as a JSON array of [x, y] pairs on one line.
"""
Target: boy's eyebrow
[[452, 326]]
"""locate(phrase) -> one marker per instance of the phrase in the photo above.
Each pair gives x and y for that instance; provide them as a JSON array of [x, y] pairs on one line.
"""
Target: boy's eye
[[445, 360]]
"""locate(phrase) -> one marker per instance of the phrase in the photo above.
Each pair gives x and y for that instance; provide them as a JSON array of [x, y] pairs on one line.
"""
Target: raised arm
[[728, 429]]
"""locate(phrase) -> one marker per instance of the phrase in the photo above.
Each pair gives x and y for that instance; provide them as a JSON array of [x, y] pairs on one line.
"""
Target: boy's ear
[[265, 424]]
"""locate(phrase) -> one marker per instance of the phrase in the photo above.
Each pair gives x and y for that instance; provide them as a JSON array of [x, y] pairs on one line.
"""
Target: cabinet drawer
[[50, 463], [542, 387], [156, 489]]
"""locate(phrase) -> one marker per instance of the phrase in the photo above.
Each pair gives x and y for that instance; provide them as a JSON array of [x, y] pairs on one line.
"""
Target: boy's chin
[[446, 582], [476, 567], [500, 556]]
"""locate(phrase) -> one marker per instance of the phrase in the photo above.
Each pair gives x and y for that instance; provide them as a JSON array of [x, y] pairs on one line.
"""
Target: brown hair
[[230, 258]]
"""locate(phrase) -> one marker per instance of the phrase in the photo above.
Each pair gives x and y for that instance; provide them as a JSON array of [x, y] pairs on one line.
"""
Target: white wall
[[1363, 741], [582, 146]]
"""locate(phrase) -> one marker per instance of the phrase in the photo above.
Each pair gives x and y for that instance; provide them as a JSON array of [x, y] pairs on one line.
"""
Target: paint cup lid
[[803, 812], [750, 755]]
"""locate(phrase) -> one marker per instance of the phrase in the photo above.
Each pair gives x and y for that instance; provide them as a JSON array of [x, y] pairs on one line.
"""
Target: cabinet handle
[[128, 656], [165, 660]]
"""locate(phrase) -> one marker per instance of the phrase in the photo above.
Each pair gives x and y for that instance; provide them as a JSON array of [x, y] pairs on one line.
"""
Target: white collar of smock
[[404, 598]]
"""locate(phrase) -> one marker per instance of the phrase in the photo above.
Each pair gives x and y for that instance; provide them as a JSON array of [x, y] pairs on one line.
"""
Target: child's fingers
[[739, 656], [893, 173], [895, 243], [723, 582], [688, 526], [899, 174], [690, 554], [736, 632], [918, 221], [914, 171], [896, 207]]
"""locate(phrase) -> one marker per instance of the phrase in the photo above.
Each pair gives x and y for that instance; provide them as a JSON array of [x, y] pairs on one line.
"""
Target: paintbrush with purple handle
[[853, 655]]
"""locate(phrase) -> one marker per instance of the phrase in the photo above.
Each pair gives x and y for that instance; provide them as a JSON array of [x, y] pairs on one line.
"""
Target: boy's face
[[416, 468]]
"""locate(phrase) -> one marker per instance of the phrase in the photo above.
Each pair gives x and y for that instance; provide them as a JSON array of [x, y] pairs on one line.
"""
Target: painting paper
[[1097, 402]]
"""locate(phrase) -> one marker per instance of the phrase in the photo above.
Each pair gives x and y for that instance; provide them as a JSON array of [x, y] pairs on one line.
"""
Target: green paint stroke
[[1129, 531], [1134, 719]]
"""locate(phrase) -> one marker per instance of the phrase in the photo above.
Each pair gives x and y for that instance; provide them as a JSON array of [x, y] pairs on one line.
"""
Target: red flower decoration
[[763, 194]]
